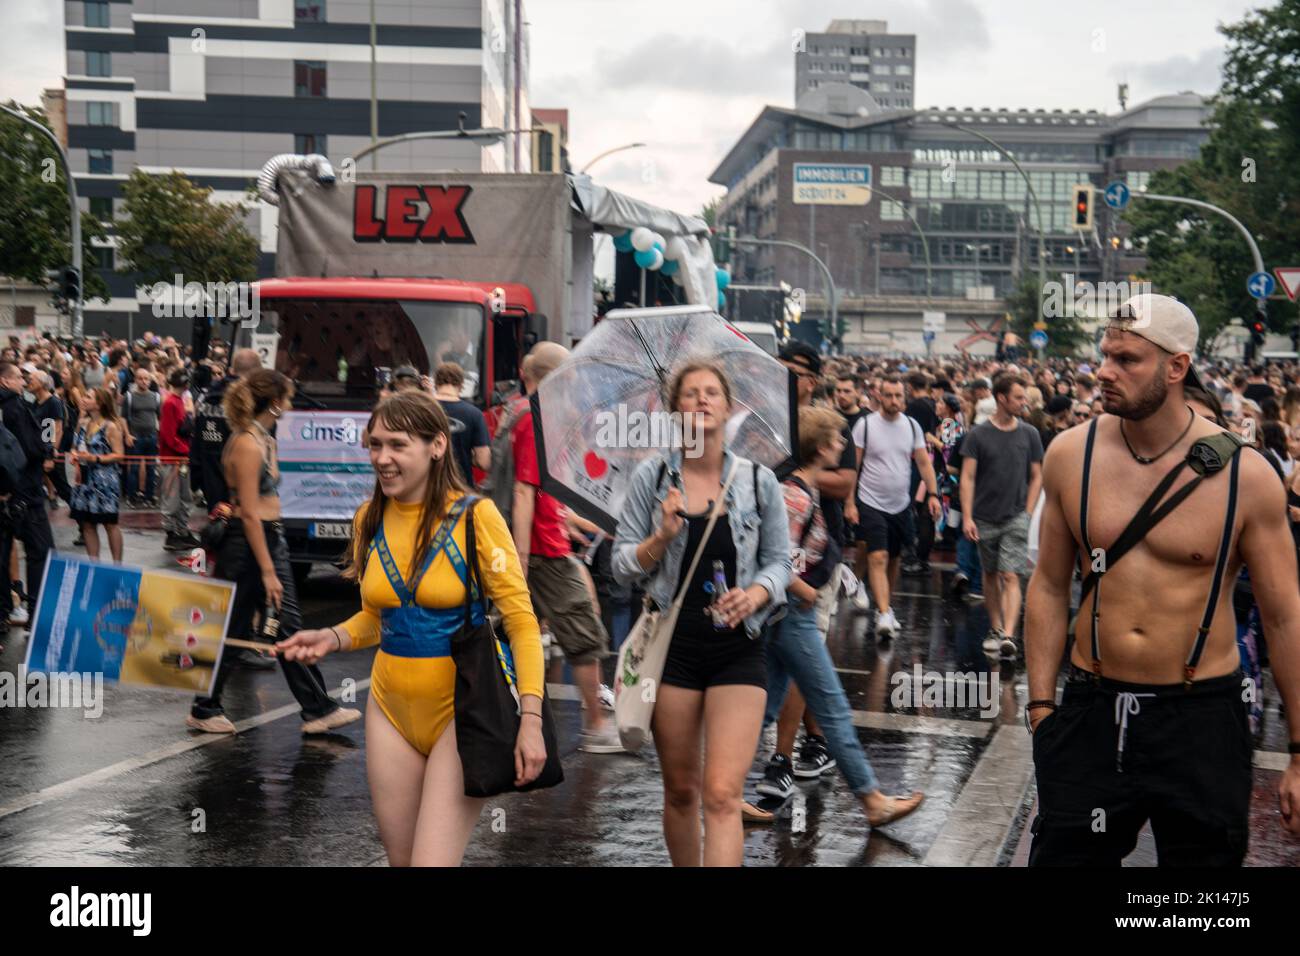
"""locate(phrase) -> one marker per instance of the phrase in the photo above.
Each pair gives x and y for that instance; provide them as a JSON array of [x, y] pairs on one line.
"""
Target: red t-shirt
[[173, 413], [549, 539]]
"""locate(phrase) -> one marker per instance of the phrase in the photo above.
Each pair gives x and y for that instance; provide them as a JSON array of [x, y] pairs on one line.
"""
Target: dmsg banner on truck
[[325, 471]]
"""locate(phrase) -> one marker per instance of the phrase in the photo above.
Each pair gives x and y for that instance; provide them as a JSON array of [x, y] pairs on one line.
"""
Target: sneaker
[[778, 778], [973, 597], [250, 658], [602, 742], [18, 617], [219, 724], [960, 585], [337, 718], [1007, 649], [174, 542], [887, 624], [814, 759], [547, 638], [914, 567], [993, 641]]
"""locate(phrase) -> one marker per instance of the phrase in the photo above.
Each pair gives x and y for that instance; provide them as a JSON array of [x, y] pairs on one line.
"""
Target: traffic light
[[720, 240], [1257, 331], [70, 284], [1083, 197]]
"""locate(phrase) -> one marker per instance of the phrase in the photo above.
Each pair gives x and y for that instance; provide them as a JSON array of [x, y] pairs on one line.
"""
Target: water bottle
[[719, 589], [271, 623]]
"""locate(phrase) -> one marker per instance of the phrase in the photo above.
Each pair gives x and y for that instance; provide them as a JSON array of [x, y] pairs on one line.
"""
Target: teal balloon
[[645, 259], [722, 301], [669, 267], [623, 242], [659, 245], [724, 279]]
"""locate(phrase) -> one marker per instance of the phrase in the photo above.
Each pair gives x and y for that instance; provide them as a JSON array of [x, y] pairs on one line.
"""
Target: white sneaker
[[604, 742], [547, 638], [887, 624], [993, 642], [606, 697], [18, 616]]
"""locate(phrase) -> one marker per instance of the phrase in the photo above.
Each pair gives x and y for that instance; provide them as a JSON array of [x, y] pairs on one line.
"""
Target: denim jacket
[[762, 544]]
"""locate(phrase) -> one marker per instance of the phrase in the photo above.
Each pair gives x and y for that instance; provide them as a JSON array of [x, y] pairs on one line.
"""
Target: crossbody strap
[[1203, 632], [1087, 543], [708, 530]]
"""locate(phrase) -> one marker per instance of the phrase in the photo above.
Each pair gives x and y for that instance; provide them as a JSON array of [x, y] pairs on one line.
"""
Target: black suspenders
[[1147, 517]]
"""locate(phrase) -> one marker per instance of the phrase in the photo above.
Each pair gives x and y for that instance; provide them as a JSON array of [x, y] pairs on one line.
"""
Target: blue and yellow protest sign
[[145, 628]]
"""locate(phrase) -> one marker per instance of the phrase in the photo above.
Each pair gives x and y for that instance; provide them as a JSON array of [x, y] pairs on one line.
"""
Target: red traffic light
[[1257, 327]]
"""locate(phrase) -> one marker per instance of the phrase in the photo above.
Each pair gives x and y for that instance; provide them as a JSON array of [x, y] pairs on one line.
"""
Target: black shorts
[[883, 531], [1185, 767], [698, 660], [94, 517]]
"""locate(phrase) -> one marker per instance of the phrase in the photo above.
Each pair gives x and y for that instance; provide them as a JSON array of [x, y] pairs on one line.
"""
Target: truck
[[375, 271]]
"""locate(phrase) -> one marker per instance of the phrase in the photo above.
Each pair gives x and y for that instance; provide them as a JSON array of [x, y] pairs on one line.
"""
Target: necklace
[[1146, 461]]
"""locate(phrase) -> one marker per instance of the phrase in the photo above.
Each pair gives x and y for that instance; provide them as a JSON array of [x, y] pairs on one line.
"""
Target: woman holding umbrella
[[709, 704]]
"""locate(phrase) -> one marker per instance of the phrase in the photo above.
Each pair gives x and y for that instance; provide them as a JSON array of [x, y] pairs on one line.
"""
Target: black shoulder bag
[[487, 699]]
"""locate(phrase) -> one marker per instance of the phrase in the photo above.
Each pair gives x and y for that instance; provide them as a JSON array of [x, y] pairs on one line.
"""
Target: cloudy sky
[[688, 76]]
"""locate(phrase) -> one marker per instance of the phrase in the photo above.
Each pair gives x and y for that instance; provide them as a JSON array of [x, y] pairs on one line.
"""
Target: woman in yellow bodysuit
[[410, 537]]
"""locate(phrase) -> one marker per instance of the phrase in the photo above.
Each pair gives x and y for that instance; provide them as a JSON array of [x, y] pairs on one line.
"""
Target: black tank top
[[695, 616]]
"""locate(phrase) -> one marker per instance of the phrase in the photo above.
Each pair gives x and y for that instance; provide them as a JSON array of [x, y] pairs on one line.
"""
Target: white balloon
[[658, 238], [675, 249], [642, 239], [659, 260]]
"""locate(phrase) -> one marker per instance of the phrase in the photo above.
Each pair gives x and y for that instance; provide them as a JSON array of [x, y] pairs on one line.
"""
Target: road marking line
[[66, 788], [980, 820]]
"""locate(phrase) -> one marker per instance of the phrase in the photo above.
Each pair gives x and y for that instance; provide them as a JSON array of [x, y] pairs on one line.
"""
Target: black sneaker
[[814, 759], [778, 778], [175, 542], [914, 567], [960, 585], [251, 659]]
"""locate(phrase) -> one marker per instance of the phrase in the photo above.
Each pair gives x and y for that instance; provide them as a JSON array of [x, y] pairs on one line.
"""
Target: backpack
[[499, 485], [13, 461]]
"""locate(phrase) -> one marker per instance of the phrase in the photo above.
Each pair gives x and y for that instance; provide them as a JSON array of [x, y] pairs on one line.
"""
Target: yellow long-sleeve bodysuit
[[417, 694]]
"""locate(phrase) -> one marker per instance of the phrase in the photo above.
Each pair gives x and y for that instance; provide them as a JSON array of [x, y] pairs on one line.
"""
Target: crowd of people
[[897, 458]]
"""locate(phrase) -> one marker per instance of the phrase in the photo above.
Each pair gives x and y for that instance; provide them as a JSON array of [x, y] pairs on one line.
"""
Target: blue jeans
[[796, 651], [143, 445], [968, 563]]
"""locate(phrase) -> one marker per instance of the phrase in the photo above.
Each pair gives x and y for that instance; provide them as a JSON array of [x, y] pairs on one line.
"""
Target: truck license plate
[[322, 529]]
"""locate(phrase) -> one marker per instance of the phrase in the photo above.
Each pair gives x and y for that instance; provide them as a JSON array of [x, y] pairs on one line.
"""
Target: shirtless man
[[1146, 729]]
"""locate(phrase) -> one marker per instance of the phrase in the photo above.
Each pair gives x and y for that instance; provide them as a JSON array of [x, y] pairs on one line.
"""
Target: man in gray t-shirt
[[1001, 472], [141, 407]]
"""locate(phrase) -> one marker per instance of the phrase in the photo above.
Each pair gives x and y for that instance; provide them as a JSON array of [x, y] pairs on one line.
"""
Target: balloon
[[623, 242], [650, 258], [722, 301], [660, 242], [643, 239], [669, 268], [724, 279], [658, 260], [676, 249]]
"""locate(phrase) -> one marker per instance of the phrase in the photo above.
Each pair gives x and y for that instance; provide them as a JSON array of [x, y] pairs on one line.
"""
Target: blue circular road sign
[[1261, 285], [1116, 195], [1038, 339]]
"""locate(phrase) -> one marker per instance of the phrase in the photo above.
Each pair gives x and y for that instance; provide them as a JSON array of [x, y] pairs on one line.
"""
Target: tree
[[1246, 167], [1025, 303], [36, 237], [709, 212], [171, 226]]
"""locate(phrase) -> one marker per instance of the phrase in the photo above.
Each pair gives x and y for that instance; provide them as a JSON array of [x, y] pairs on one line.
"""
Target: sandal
[[752, 814], [896, 809]]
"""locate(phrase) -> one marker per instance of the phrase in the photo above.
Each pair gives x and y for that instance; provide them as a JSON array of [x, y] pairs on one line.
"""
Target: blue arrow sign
[[1116, 195], [1038, 339], [1261, 285]]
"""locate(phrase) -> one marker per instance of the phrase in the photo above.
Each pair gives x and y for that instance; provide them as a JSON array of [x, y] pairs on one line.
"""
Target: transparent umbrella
[[602, 411]]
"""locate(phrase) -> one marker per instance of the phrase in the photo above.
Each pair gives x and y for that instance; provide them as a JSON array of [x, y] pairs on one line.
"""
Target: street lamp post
[[78, 307], [925, 244], [1038, 209], [481, 136], [374, 92], [826, 273], [977, 248], [610, 152]]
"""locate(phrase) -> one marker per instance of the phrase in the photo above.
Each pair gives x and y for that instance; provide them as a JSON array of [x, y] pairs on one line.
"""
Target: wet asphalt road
[[134, 787]]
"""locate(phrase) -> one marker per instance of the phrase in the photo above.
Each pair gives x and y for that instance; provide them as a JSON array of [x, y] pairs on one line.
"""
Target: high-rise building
[[861, 53], [166, 84], [911, 212]]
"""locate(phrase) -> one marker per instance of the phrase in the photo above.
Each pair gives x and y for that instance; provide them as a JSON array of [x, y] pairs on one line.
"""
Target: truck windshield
[[340, 351]]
